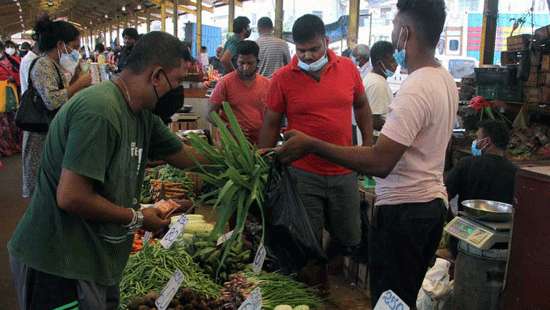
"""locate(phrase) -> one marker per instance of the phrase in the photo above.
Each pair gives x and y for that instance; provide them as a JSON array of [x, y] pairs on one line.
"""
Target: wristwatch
[[136, 222]]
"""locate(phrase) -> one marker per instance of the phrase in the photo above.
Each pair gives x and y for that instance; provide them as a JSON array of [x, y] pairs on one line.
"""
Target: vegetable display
[[237, 173], [208, 256], [166, 182], [151, 268]]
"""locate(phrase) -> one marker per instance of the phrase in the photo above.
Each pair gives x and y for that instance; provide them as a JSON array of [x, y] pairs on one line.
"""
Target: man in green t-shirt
[[73, 242], [241, 31]]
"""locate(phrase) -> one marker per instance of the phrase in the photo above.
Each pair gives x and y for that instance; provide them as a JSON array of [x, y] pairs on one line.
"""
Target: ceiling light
[[106, 16], [123, 8], [138, 7], [20, 10], [18, 4]]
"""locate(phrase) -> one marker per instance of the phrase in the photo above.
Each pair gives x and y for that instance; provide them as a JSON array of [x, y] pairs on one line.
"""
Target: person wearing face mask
[[241, 31], [360, 56], [487, 174], [245, 90], [408, 158], [24, 49], [50, 75], [376, 85], [10, 138], [317, 92], [10, 62], [75, 237]]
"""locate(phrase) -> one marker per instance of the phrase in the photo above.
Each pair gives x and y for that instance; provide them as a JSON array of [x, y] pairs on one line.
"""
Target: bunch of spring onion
[[237, 174]]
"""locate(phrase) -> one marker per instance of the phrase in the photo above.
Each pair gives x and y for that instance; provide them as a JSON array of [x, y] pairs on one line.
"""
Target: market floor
[[12, 207]]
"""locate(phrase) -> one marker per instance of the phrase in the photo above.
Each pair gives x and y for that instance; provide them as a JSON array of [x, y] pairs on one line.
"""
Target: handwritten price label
[[259, 259], [253, 302], [169, 291], [173, 233], [390, 301]]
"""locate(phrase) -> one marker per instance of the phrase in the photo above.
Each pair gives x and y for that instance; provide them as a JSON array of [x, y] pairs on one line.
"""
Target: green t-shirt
[[96, 135], [231, 45]]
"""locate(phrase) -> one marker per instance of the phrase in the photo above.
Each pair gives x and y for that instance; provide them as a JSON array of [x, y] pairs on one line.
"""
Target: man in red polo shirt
[[245, 90], [316, 92]]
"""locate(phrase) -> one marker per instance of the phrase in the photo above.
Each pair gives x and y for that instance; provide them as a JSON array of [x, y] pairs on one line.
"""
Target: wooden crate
[[543, 33], [534, 75], [545, 63], [545, 78], [518, 42], [545, 95], [533, 94], [355, 272]]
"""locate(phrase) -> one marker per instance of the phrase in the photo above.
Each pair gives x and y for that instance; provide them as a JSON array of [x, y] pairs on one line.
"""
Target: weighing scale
[[481, 234]]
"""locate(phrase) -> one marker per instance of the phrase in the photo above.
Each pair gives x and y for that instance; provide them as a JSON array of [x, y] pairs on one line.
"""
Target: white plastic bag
[[436, 287]]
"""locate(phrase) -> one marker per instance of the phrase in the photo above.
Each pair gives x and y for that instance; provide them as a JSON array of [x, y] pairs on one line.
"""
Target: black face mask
[[22, 53], [169, 104]]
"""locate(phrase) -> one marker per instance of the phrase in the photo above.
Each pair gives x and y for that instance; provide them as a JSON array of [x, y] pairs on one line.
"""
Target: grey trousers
[[37, 290], [331, 202]]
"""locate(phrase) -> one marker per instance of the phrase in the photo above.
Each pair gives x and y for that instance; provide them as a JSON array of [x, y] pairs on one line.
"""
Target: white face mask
[[67, 62], [314, 66], [10, 51]]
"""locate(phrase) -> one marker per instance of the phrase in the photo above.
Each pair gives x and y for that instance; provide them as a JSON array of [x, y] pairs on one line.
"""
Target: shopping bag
[[290, 239], [8, 97]]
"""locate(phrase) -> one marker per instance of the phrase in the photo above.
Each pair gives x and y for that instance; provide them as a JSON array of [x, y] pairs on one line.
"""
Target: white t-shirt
[[24, 70], [378, 93], [420, 117]]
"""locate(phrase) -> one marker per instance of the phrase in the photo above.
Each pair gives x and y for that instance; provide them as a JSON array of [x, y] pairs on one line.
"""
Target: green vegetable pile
[[165, 173], [237, 173], [208, 256], [151, 268], [278, 289]]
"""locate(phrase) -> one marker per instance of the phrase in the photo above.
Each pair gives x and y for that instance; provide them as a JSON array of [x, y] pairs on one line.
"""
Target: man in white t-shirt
[[408, 157], [24, 67], [376, 86]]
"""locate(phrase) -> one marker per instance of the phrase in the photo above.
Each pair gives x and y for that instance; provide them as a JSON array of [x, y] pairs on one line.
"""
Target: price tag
[[390, 301], [169, 291], [173, 233], [147, 237], [259, 259], [224, 238], [253, 302]]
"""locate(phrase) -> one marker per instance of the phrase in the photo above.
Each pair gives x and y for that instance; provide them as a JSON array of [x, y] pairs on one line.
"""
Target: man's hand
[[153, 221], [297, 145]]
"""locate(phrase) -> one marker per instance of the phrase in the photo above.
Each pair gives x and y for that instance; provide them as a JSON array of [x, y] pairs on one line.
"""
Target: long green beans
[[237, 173], [151, 268]]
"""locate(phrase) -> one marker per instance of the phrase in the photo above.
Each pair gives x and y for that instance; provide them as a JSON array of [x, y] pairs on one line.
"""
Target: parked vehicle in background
[[458, 66]]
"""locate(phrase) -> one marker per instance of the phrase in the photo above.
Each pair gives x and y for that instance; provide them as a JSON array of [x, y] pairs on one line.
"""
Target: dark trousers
[[402, 243]]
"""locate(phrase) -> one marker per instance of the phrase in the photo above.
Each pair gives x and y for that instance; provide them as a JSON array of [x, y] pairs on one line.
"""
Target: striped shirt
[[274, 54]]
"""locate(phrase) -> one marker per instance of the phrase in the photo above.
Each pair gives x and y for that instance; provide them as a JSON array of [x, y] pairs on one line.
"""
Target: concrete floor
[[343, 295], [12, 207]]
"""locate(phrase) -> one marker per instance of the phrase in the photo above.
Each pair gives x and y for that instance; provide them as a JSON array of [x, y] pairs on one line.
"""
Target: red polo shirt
[[320, 109]]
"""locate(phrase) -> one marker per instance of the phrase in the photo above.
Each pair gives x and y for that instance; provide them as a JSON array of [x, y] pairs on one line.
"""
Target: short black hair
[[10, 43], [204, 48], [47, 33], [131, 32], [380, 50], [428, 17], [307, 28], [265, 23], [2, 46], [157, 48], [497, 131], [240, 23], [248, 47], [25, 46], [100, 47]]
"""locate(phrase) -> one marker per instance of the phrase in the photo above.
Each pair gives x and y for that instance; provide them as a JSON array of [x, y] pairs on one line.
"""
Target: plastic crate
[[500, 92], [496, 75]]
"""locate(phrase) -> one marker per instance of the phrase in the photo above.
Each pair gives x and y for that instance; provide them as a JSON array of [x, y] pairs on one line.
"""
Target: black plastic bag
[[290, 239]]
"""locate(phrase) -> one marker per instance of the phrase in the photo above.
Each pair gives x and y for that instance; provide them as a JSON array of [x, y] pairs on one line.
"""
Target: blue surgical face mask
[[75, 55], [401, 55], [314, 66], [387, 73], [476, 151]]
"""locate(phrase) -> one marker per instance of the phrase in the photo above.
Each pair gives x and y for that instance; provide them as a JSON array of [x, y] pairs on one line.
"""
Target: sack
[[8, 97], [290, 238], [32, 114]]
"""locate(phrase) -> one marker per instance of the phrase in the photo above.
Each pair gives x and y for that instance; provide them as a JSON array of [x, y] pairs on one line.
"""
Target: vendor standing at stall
[[245, 90], [72, 244], [316, 92], [408, 158]]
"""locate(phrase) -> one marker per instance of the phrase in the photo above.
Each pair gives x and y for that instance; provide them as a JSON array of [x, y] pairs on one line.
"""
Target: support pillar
[[279, 17], [231, 15], [353, 25], [199, 27], [163, 16], [488, 32]]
